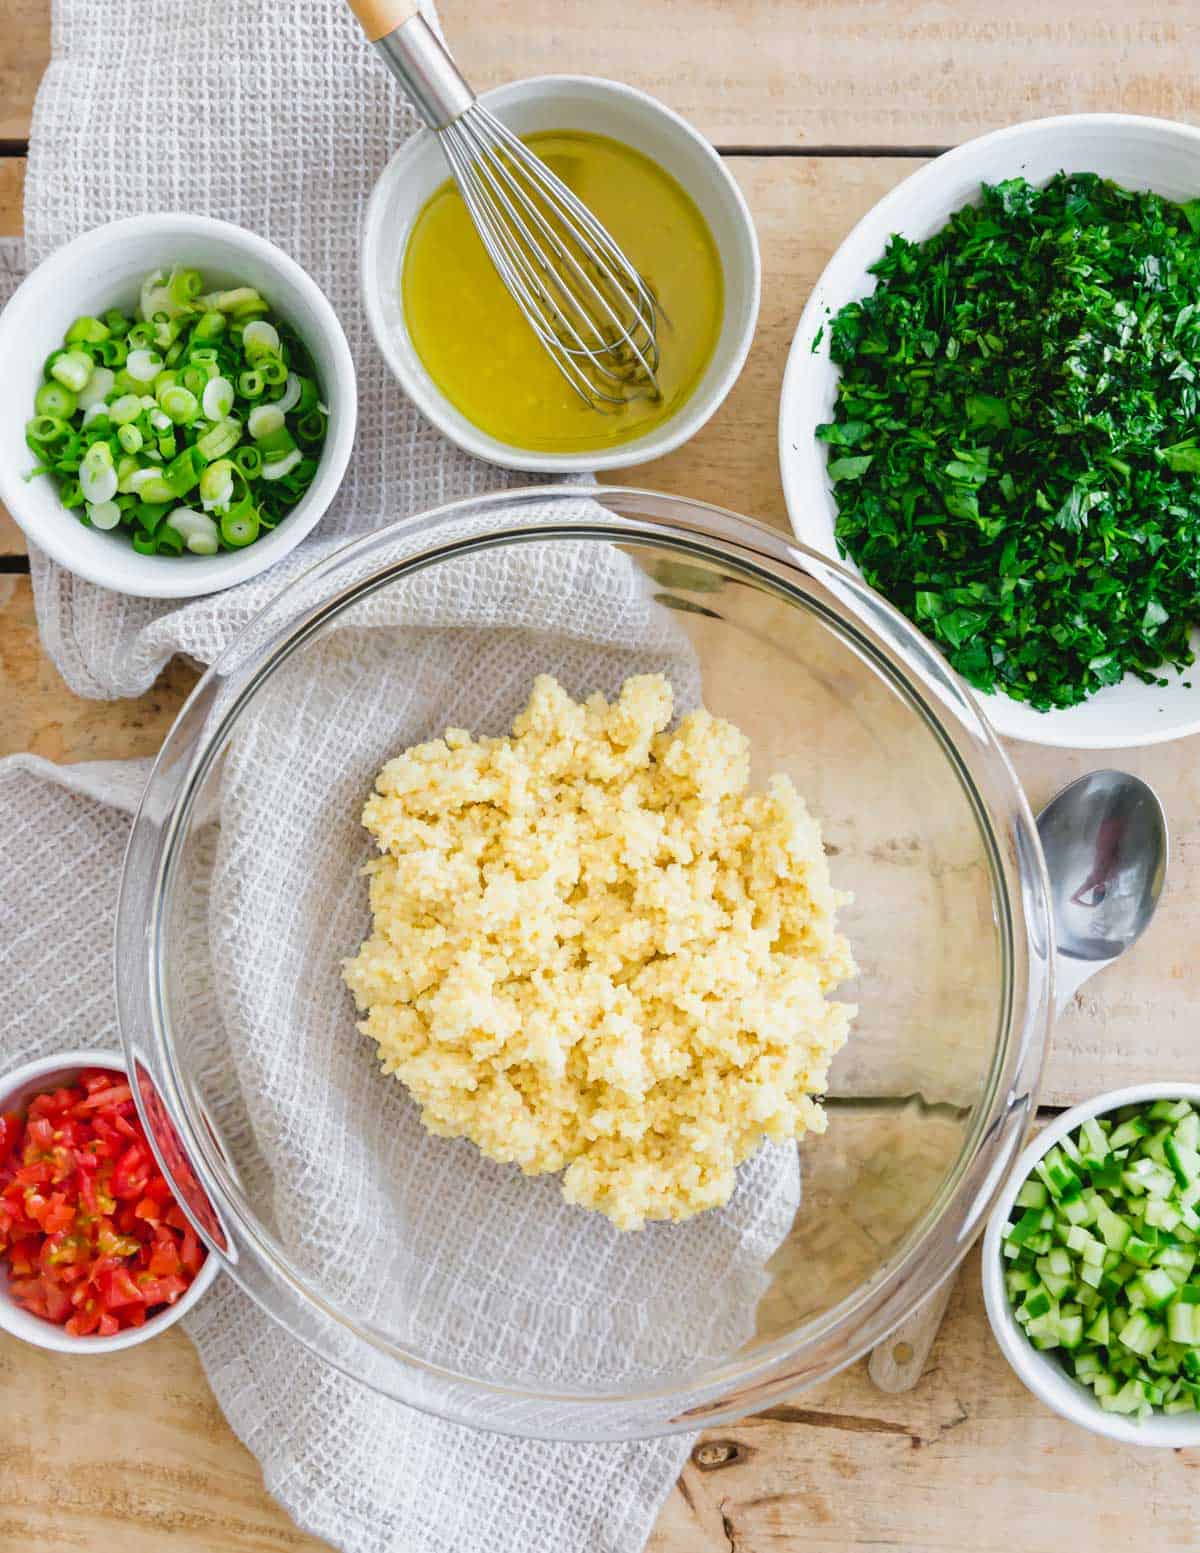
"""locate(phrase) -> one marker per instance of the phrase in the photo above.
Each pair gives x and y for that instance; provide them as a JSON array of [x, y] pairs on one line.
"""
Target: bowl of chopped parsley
[[992, 411]]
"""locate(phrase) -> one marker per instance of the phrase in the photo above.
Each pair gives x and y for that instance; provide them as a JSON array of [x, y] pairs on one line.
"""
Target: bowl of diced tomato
[[95, 1253]]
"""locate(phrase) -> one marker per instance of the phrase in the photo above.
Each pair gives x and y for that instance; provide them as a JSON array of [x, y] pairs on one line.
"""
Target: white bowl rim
[[795, 496], [692, 415], [1042, 1375], [240, 565], [44, 1334]]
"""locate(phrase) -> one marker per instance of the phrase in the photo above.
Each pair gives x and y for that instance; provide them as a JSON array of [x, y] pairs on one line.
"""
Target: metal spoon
[[1105, 842], [1104, 837]]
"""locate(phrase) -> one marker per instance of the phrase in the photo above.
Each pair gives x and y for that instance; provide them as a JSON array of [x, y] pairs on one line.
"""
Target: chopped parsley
[[1016, 440]]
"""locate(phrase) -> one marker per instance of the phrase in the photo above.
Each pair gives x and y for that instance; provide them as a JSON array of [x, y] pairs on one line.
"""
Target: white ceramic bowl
[[105, 268], [603, 108], [1042, 1372], [1140, 153], [16, 1090]]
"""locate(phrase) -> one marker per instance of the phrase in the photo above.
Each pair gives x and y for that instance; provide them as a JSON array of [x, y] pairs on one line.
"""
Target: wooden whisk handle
[[379, 17]]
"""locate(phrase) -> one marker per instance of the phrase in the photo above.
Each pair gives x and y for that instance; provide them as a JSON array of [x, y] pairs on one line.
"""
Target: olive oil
[[484, 356]]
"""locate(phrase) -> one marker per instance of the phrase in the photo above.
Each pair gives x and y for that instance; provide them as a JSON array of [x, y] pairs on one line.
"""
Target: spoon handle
[[1069, 975], [898, 1363]]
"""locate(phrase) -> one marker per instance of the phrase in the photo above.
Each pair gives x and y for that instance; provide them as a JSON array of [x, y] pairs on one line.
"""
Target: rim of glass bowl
[[875, 632]]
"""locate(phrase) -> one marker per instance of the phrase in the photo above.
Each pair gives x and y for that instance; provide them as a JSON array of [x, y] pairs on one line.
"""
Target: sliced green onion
[[135, 415], [263, 420], [154, 296], [312, 427], [149, 484], [55, 400], [45, 430], [104, 514], [220, 439], [125, 409], [98, 474], [144, 365], [217, 399], [249, 460], [112, 353], [238, 530], [216, 484], [200, 534], [290, 397], [209, 326], [167, 541], [97, 388], [87, 331], [184, 287], [260, 339], [151, 514], [240, 302], [72, 369], [180, 404], [276, 469], [194, 379]]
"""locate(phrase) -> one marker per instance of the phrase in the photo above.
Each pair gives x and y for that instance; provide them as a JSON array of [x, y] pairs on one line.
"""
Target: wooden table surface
[[819, 109]]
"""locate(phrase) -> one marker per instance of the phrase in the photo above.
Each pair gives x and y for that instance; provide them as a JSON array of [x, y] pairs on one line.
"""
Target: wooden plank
[[12, 189], [967, 1459], [842, 73], [163, 1469], [25, 53], [779, 73], [12, 193], [40, 715]]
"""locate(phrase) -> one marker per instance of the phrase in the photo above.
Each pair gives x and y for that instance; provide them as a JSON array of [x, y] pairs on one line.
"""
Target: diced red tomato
[[93, 1239]]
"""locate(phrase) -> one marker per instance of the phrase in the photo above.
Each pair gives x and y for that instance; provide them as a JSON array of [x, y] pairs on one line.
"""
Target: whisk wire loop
[[592, 311]]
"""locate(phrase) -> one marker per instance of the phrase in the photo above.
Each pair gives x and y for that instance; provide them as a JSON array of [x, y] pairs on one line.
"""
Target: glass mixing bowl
[[457, 1285]]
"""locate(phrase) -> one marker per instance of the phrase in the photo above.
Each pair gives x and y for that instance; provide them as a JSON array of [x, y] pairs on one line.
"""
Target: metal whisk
[[585, 301]]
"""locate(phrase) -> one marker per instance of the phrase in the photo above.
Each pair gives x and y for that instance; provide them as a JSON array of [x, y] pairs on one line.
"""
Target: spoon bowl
[[1106, 847]]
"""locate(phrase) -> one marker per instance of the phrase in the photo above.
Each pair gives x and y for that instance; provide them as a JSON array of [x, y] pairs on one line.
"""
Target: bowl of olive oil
[[456, 340]]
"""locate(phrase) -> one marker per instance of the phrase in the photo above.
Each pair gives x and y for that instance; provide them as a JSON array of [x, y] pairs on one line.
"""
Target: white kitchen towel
[[484, 1270], [367, 1475], [279, 118]]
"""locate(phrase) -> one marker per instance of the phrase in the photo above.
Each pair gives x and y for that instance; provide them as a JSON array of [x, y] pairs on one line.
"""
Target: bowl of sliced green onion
[[1091, 1265], [179, 405]]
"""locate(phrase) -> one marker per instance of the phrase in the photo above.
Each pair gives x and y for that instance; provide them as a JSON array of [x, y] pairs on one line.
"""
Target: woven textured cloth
[[284, 129], [486, 1269]]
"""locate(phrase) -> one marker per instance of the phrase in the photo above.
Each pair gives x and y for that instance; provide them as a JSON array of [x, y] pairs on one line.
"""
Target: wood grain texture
[[40, 715], [968, 1459], [24, 53], [798, 73], [163, 1470], [805, 73]]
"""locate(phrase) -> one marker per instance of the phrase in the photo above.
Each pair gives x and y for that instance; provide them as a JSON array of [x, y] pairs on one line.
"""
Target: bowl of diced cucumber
[[1091, 1265]]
